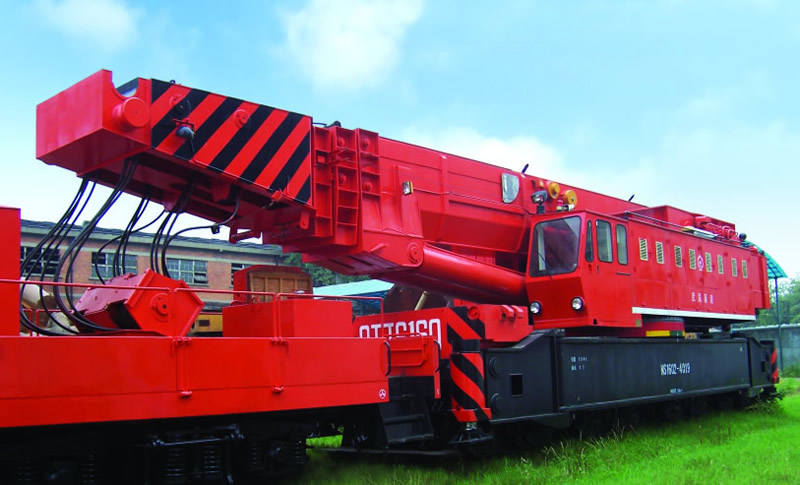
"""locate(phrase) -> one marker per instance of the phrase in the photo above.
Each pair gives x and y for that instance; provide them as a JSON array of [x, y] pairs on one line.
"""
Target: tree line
[[789, 297], [320, 276]]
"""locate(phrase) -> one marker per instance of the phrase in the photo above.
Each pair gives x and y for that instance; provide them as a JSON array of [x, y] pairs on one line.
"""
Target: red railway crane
[[542, 279]]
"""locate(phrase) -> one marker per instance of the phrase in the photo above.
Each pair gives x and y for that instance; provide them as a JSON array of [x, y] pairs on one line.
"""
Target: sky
[[690, 104]]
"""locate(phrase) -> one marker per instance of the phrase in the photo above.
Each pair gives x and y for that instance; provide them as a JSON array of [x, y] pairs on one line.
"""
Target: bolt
[[414, 253], [242, 117]]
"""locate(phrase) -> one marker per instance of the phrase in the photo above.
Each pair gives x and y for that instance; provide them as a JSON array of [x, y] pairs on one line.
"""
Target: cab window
[[555, 246], [604, 251], [588, 253], [622, 244]]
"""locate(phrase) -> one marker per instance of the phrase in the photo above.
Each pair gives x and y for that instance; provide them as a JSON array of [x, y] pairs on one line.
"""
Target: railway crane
[[559, 302]]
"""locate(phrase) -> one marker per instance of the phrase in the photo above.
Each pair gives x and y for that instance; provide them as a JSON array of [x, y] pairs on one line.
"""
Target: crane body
[[560, 302]]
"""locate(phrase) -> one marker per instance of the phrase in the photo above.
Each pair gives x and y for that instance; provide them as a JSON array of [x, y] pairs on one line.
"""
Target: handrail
[[82, 285], [276, 297]]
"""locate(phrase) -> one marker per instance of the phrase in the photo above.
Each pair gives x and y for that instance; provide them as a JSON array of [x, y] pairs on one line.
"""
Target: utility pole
[[778, 313]]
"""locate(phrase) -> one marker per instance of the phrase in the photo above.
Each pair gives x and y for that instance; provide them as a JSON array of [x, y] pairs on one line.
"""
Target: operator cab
[[578, 271]]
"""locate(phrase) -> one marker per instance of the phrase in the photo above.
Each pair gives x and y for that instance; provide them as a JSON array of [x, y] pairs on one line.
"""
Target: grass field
[[756, 445]]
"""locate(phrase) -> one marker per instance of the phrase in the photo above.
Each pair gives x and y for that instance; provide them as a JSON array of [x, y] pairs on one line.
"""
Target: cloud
[[718, 158], [348, 44], [744, 173], [712, 158], [108, 25]]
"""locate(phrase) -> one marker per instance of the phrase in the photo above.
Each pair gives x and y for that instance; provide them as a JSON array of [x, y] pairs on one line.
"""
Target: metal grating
[[692, 259], [744, 268], [708, 263], [734, 268], [659, 252], [774, 270], [720, 266], [678, 257], [643, 249]]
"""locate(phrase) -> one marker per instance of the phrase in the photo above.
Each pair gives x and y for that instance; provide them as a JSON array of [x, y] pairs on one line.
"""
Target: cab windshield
[[555, 246]]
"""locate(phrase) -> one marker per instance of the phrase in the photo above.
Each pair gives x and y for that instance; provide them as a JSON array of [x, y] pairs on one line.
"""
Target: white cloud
[[745, 174], [348, 44], [715, 159], [711, 159], [107, 24]]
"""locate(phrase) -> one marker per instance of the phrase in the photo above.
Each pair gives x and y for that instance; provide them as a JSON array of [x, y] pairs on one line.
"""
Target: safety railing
[[276, 297]]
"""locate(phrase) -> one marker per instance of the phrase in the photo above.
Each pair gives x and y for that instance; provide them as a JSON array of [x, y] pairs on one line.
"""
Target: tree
[[789, 295], [320, 276]]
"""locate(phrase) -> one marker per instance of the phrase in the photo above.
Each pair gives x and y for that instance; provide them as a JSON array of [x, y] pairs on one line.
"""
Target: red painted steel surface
[[9, 269], [140, 307], [416, 356], [362, 204], [297, 318], [332, 193], [491, 324], [359, 204], [467, 398], [651, 283], [48, 380]]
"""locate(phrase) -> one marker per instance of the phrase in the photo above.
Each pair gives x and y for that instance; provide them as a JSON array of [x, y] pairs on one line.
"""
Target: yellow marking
[[664, 333]]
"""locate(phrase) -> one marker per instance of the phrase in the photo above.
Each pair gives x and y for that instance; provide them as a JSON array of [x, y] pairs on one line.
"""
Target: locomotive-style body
[[553, 301], [629, 270]]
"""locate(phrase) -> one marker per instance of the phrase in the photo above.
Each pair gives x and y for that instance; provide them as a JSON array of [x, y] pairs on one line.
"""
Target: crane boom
[[349, 200]]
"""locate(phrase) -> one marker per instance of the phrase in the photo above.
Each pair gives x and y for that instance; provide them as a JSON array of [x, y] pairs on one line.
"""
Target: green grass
[[791, 371], [757, 445]]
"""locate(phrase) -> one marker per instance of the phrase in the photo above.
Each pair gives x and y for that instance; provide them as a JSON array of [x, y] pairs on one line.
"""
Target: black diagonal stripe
[[476, 325], [288, 170], [184, 108], [465, 401], [240, 139], [305, 191], [468, 369], [270, 148], [157, 88], [454, 338], [208, 128]]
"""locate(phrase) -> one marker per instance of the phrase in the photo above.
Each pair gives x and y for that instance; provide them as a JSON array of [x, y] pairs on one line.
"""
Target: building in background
[[202, 263]]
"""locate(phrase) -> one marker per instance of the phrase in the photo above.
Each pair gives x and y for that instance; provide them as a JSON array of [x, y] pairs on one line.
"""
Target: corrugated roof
[[774, 270], [355, 288]]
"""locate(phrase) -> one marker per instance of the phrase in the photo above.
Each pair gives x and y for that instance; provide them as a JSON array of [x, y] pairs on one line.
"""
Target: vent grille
[[659, 252], [643, 249], [709, 269], [678, 257], [692, 259], [744, 269], [734, 268], [720, 266]]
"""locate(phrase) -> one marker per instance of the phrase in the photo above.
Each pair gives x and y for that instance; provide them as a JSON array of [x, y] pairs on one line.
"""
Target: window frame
[[535, 254], [608, 245], [588, 252], [622, 249], [182, 269], [50, 269], [109, 266]]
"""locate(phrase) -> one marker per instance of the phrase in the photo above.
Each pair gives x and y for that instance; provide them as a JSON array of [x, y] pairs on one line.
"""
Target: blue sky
[[692, 104]]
